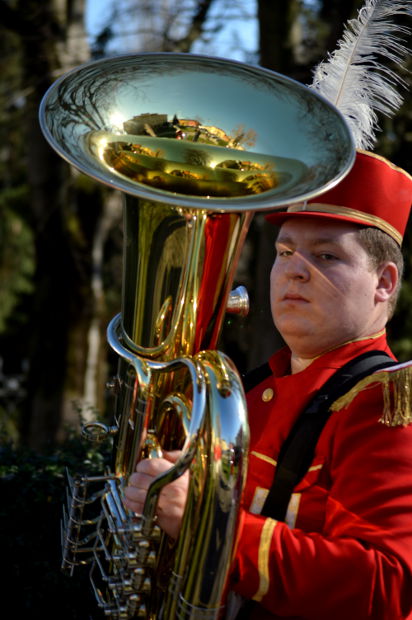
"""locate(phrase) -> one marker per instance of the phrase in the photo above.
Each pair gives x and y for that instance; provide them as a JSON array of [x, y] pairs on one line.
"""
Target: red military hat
[[374, 193]]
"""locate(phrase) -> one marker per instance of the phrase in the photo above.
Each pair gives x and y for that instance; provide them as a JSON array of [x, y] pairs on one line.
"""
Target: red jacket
[[345, 551]]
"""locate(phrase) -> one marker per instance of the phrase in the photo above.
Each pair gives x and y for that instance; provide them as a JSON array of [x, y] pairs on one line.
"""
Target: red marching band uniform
[[345, 548]]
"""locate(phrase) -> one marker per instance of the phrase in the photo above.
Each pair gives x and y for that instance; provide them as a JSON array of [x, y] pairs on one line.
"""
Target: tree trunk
[[58, 278], [275, 19]]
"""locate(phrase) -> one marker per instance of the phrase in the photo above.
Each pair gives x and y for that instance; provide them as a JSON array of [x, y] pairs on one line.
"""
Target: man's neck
[[298, 363]]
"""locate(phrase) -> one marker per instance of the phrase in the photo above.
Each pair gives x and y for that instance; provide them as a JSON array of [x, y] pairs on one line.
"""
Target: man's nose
[[298, 267]]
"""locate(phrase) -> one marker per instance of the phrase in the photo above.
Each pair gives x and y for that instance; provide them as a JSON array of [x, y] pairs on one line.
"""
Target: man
[[345, 547]]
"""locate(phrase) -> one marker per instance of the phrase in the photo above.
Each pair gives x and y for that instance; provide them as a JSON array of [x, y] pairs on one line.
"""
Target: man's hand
[[172, 499]]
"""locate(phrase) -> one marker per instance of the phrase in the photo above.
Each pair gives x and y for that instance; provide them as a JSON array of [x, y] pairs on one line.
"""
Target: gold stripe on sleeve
[[259, 455], [263, 558], [315, 467], [293, 509], [258, 501]]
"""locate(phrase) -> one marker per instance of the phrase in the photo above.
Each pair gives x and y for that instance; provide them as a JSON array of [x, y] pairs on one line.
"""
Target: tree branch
[[195, 30]]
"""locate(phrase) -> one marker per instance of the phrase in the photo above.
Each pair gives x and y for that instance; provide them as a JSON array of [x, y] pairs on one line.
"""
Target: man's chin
[[295, 330], [304, 344]]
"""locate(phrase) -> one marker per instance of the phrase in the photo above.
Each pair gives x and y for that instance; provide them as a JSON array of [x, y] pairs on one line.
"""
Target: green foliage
[[9, 423], [17, 259], [33, 490]]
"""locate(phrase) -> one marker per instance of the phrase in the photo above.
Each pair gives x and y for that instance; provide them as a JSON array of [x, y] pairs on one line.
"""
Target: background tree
[[49, 38], [68, 224]]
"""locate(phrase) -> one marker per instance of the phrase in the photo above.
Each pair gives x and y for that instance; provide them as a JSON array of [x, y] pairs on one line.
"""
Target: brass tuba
[[197, 145]]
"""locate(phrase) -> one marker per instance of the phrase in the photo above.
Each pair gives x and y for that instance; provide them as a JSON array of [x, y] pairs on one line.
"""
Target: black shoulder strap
[[298, 450], [256, 376]]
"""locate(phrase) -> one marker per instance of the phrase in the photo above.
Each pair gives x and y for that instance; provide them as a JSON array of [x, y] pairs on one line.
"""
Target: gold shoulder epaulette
[[396, 382]]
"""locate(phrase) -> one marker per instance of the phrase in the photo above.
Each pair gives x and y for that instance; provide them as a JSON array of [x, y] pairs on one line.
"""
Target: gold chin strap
[[396, 386]]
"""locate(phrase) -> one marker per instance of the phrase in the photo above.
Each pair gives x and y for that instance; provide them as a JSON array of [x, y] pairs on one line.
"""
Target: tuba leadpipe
[[197, 145]]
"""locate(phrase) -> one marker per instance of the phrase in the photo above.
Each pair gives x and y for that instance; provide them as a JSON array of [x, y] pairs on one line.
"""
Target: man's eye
[[284, 252], [327, 256]]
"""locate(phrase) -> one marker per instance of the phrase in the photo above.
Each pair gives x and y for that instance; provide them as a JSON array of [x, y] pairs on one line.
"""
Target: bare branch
[[195, 30]]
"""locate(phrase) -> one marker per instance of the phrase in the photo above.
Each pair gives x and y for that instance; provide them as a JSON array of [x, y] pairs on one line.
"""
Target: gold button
[[267, 395]]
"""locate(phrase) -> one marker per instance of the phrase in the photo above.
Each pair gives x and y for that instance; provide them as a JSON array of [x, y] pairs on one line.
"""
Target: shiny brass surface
[[204, 414], [198, 169], [238, 302], [163, 126], [197, 145], [178, 269]]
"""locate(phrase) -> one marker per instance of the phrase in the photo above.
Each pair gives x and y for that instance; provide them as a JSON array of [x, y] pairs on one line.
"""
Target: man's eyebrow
[[286, 239]]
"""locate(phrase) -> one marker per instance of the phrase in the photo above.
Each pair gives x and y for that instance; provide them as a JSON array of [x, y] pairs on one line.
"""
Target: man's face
[[324, 291]]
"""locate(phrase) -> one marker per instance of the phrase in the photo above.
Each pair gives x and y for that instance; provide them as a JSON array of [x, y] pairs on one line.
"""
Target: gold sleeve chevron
[[396, 383]]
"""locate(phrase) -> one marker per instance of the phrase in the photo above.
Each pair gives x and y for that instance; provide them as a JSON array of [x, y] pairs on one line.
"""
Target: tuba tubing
[[196, 145]]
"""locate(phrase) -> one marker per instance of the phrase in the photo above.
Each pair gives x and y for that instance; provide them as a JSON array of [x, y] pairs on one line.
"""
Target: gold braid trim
[[263, 558], [396, 391]]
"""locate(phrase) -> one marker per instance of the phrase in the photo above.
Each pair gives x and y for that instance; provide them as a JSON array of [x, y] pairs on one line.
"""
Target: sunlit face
[[324, 291]]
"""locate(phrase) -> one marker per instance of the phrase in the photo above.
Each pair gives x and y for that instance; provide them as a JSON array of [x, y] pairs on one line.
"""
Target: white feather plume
[[352, 77]]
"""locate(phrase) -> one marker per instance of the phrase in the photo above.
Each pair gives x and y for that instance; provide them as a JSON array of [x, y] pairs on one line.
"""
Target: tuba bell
[[197, 145]]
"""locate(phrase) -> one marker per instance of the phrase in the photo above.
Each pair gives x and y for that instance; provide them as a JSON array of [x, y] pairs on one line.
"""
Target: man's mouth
[[293, 297]]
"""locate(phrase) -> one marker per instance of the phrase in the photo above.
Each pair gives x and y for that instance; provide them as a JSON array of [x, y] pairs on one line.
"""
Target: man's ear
[[388, 278]]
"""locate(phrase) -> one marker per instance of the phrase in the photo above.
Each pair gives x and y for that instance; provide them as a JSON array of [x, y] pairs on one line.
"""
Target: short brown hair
[[381, 248]]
